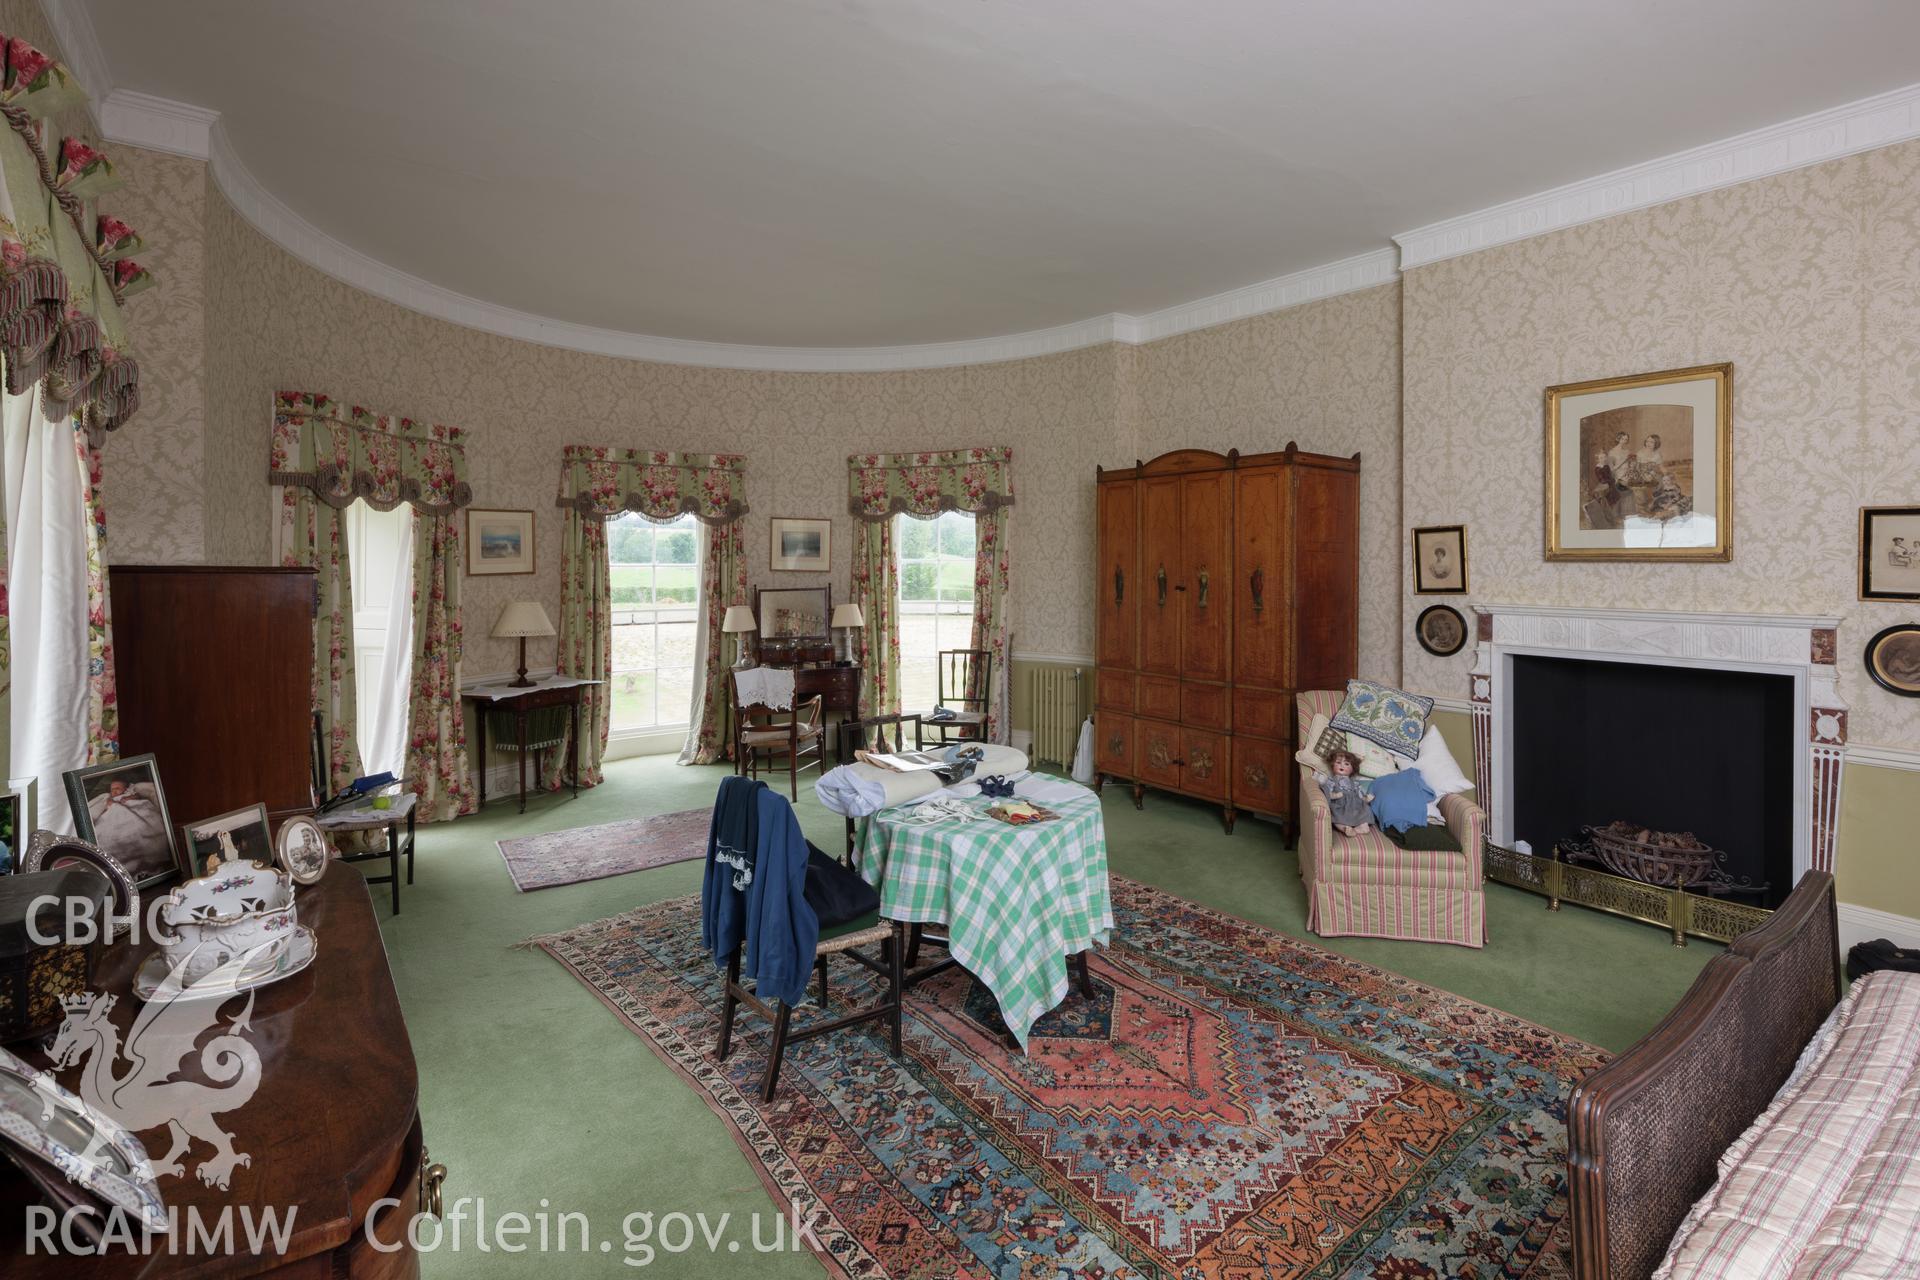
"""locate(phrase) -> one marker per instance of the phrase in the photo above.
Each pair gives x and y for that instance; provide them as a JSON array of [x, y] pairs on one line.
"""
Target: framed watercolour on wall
[[1641, 468], [801, 546], [1440, 560], [1890, 553], [499, 542]]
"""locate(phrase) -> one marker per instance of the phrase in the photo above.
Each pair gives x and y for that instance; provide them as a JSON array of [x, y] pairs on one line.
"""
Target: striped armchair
[[1369, 887]]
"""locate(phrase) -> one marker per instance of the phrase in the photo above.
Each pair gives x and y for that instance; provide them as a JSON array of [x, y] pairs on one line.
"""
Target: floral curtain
[[64, 267], [883, 485], [598, 482], [436, 724], [103, 707], [990, 577], [876, 589], [723, 582], [925, 484], [326, 455], [313, 536], [345, 454], [586, 642]]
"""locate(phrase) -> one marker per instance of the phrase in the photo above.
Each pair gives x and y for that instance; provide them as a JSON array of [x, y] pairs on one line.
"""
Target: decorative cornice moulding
[[1878, 121], [161, 124], [158, 124]]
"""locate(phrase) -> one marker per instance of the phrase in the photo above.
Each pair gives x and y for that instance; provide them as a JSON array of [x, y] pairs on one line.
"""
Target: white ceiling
[[860, 172]]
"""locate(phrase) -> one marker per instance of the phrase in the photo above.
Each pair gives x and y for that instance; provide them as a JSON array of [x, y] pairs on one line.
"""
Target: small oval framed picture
[[50, 852], [301, 848], [1893, 659], [1441, 630]]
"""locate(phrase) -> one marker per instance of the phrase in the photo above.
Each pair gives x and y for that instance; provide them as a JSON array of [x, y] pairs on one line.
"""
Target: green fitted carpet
[[538, 1100]]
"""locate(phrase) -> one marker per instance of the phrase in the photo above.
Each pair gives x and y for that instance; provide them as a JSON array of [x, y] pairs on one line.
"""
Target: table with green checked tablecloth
[[1017, 901]]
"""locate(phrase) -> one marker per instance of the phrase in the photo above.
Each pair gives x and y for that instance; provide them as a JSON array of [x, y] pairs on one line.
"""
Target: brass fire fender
[[1675, 910]]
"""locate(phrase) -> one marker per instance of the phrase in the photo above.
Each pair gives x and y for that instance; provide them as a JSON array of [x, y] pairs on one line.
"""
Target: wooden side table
[[364, 817], [553, 691]]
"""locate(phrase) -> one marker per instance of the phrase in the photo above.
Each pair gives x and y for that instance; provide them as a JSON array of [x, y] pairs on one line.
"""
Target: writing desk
[[498, 697]]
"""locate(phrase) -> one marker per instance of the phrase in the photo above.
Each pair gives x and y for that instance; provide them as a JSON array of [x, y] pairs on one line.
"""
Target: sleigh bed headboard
[[1645, 1131]]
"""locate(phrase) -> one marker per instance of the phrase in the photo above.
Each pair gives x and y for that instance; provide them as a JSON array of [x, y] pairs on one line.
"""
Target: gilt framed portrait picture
[[1890, 553], [801, 546], [1440, 560], [1641, 468], [499, 542]]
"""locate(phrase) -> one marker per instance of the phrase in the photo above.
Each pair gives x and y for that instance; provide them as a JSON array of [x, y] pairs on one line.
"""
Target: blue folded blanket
[[1400, 800]]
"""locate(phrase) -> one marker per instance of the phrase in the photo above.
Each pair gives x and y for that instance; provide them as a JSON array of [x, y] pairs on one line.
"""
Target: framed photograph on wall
[[1641, 468], [1441, 630], [499, 542], [800, 546], [1890, 553], [1893, 659], [1440, 560], [120, 807]]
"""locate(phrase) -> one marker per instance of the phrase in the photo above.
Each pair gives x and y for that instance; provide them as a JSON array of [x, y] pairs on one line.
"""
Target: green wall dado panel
[[1878, 862]]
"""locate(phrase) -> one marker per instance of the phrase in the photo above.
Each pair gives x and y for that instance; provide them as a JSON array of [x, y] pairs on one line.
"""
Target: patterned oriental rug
[[612, 849], [1233, 1103]]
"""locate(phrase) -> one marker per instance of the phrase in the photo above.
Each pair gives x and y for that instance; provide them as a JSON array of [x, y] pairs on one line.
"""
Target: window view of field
[[654, 573], [936, 599]]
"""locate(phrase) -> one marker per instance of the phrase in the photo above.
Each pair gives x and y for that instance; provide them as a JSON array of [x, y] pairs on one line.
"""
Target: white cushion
[[1439, 771], [1306, 755]]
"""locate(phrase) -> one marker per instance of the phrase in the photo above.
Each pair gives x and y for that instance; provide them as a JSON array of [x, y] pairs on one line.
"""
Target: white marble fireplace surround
[[1797, 646]]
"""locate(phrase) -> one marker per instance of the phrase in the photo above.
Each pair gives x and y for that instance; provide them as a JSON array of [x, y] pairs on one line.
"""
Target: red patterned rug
[[555, 858], [1232, 1103]]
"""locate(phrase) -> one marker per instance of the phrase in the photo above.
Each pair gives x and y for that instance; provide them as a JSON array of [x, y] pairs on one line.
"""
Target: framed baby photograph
[[1890, 553], [1440, 560], [499, 542], [119, 806], [801, 546], [1641, 468]]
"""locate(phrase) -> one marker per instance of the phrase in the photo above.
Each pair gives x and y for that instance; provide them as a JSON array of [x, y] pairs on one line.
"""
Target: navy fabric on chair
[[773, 908]]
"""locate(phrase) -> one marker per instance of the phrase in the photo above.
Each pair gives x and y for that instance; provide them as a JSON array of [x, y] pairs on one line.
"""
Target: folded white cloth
[[765, 687]]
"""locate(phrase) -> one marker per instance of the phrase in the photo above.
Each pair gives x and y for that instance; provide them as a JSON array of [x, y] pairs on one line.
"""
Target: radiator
[[1055, 700]]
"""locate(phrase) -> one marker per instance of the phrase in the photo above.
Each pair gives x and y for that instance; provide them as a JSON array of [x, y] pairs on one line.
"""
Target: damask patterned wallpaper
[[1326, 375], [276, 322], [1809, 282], [155, 472]]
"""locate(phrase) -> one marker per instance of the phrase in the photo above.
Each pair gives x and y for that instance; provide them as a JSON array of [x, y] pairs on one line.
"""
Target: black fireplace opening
[[1667, 748]]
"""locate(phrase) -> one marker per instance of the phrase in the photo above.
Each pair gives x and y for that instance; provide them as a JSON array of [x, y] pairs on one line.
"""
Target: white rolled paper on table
[[856, 790]]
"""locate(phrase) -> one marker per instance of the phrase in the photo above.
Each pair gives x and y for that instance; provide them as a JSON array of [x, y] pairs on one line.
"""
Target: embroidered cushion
[[1379, 713], [1400, 800]]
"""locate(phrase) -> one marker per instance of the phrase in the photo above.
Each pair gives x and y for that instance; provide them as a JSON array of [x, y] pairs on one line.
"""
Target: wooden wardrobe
[[1226, 584], [215, 673]]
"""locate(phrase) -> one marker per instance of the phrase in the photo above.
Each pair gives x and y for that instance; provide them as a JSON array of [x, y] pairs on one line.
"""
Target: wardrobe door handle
[[1161, 578], [1259, 584], [1119, 585], [1203, 588]]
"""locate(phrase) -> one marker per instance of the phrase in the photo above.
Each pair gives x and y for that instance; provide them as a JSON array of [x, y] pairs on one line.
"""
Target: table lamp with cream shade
[[738, 622], [520, 619], [846, 617]]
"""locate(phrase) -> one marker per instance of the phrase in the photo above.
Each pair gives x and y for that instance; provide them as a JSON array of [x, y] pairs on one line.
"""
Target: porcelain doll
[[1352, 812]]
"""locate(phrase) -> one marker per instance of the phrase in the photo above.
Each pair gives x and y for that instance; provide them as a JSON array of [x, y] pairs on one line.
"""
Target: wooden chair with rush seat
[[775, 734]]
